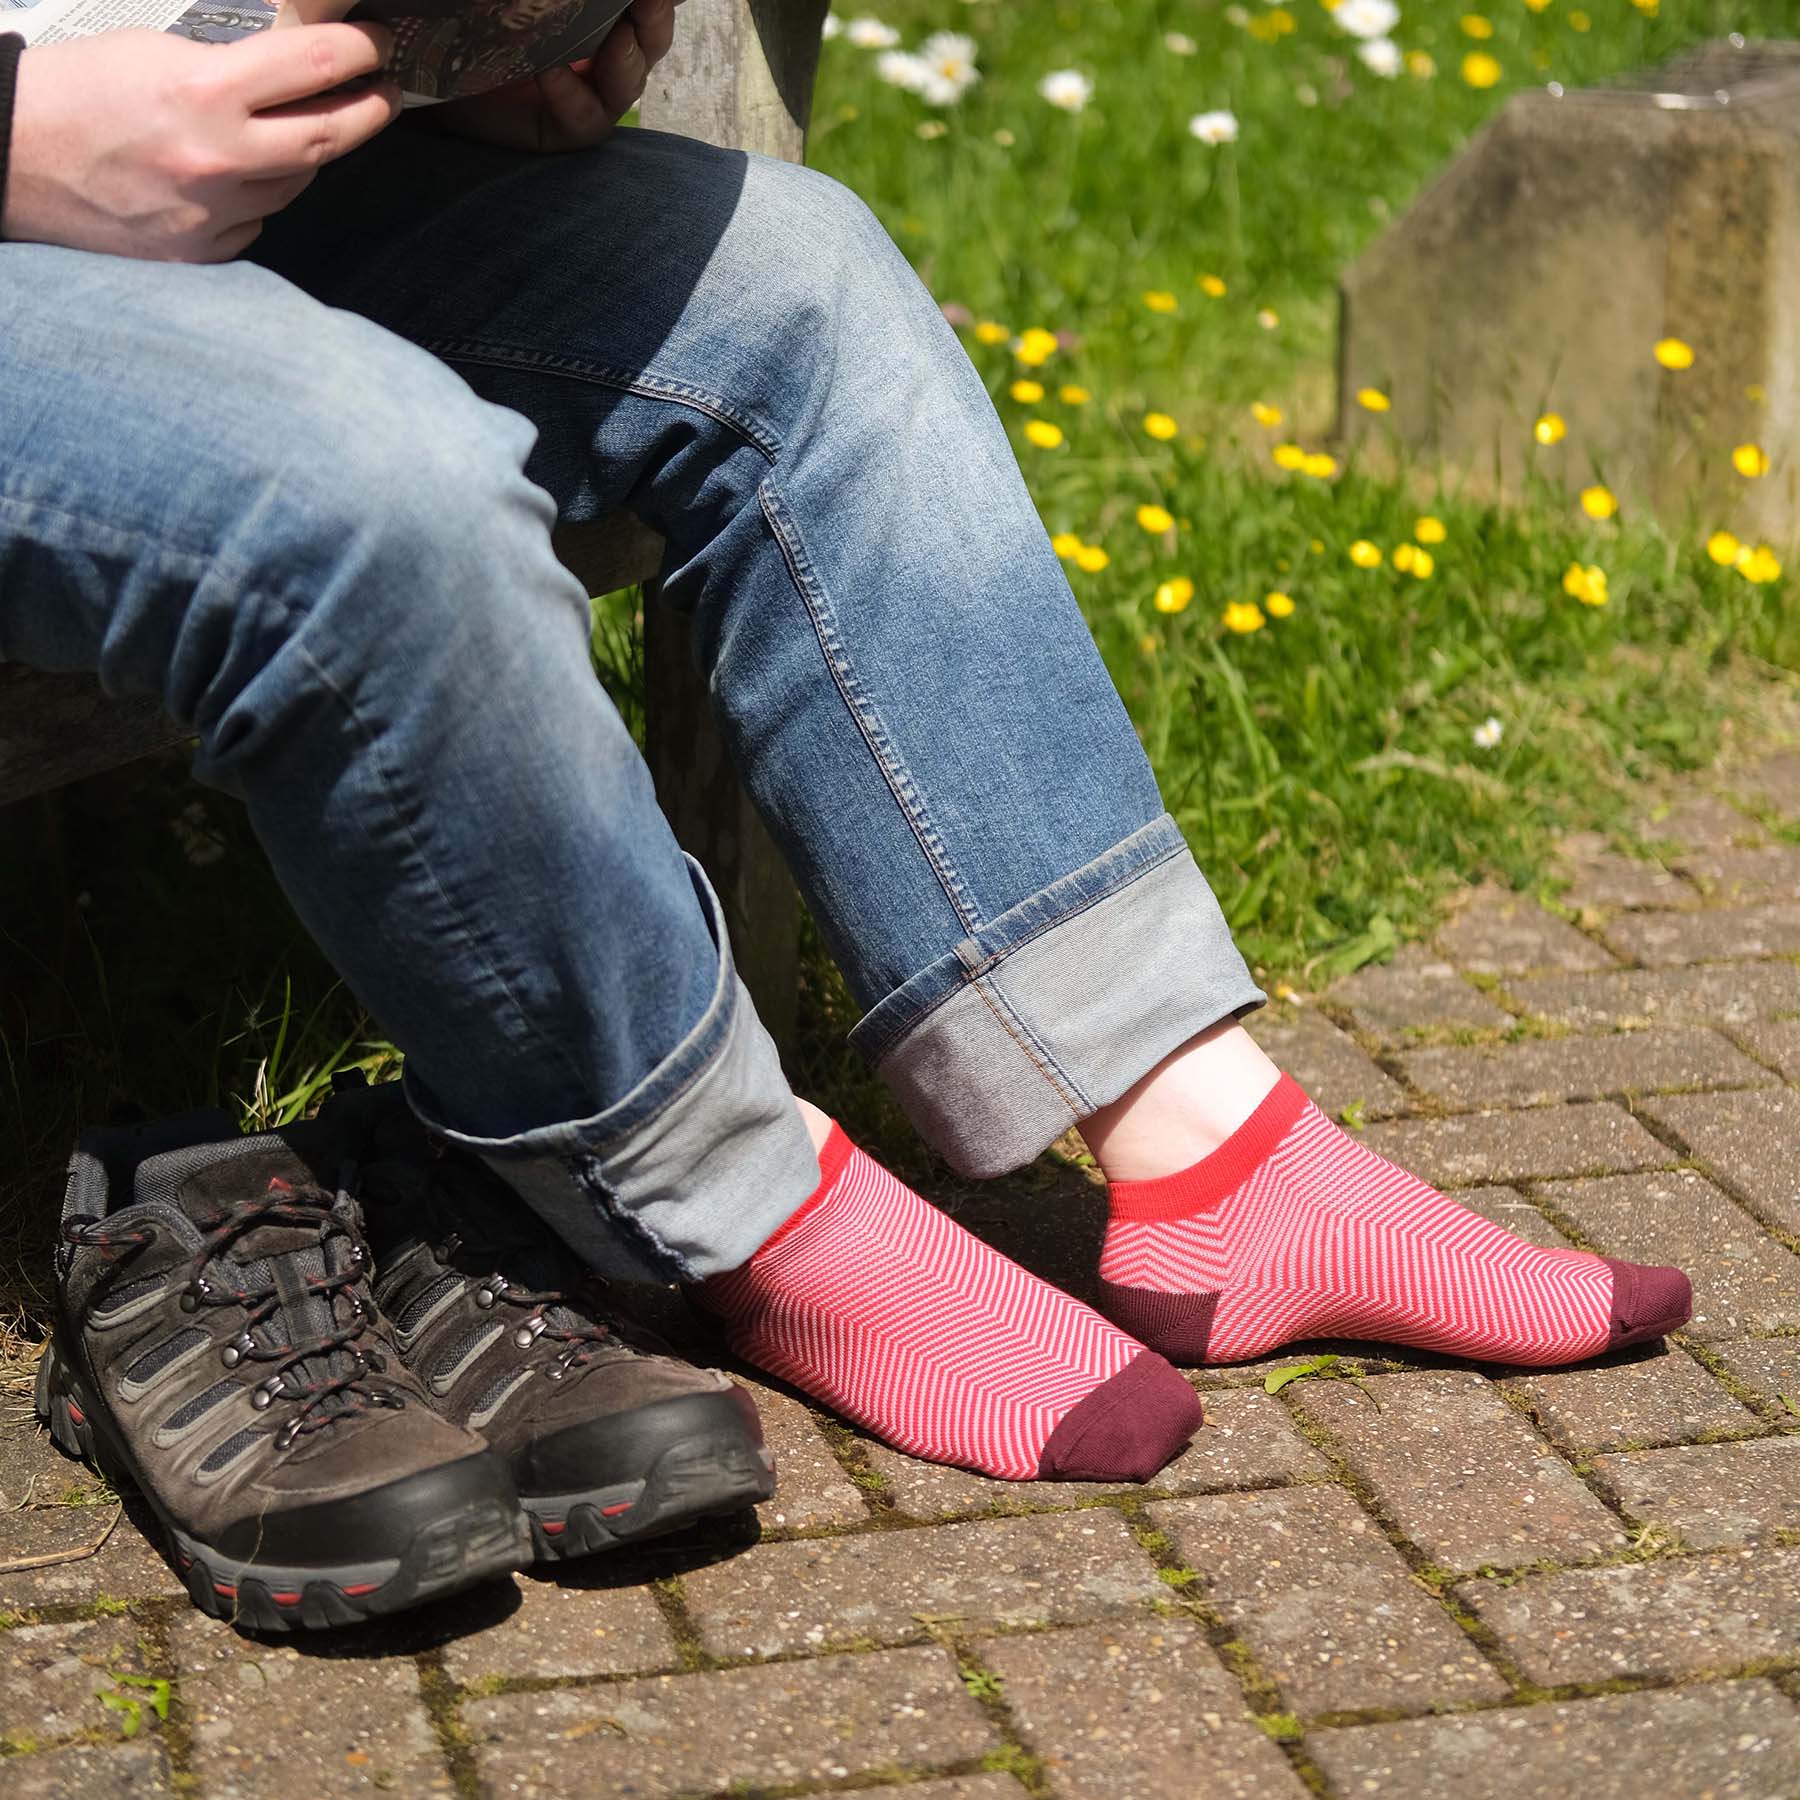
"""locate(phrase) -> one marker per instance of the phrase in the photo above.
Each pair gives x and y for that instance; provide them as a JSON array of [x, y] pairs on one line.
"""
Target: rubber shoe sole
[[477, 1541]]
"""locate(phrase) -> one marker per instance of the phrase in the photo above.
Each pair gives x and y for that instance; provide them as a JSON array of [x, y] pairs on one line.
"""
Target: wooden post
[[740, 75]]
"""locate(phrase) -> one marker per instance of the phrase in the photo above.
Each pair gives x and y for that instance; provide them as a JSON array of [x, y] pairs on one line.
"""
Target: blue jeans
[[307, 502]]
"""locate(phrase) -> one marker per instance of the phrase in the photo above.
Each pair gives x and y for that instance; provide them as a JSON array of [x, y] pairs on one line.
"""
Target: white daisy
[[1178, 43], [1366, 18], [1217, 127], [870, 34], [949, 59], [1067, 88], [1488, 733], [1380, 54], [834, 27], [901, 69]]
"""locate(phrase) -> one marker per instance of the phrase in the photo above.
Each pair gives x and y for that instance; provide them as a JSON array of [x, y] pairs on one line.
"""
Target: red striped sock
[[1292, 1229], [875, 1302]]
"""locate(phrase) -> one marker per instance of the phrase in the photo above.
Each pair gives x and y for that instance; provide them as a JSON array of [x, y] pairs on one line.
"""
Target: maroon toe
[[1127, 1428], [1647, 1302]]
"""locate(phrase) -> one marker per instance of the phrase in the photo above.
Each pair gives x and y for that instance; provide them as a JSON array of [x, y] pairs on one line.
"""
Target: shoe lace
[[582, 1330], [344, 1387]]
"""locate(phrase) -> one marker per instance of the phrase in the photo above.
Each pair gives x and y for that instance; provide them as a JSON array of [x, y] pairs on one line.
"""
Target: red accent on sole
[[359, 1589], [612, 1512], [77, 1414], [229, 1593], [285, 1599], [553, 1526]]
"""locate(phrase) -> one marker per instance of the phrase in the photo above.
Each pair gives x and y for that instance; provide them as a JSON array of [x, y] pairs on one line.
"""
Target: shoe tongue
[[205, 1180]]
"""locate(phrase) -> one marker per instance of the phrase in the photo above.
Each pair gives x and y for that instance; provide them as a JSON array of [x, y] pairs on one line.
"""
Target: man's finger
[[654, 22], [289, 140], [276, 67], [574, 115], [619, 70]]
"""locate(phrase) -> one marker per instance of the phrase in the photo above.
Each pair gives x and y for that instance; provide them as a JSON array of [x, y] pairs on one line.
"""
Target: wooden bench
[[740, 75]]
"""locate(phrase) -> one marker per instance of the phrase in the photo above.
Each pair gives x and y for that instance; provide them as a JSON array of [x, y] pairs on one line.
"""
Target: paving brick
[[1416, 993], [1751, 1140], [1774, 782], [1497, 933], [1248, 1440], [1549, 1141], [1743, 1280], [1767, 1366], [124, 1568], [1730, 934], [1460, 1473], [564, 1629], [92, 1772], [1738, 1740], [1507, 1207], [1769, 873], [1054, 1568], [1776, 1043], [1326, 1062], [966, 1787], [1628, 997], [1688, 1615], [1665, 1398], [35, 1475], [50, 1676], [811, 1488], [1701, 822], [269, 1720], [675, 1735], [1137, 1712], [1324, 1601], [1714, 1496], [1603, 879]]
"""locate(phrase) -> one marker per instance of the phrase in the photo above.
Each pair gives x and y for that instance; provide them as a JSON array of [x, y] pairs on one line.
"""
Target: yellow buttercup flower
[[1475, 26], [990, 332], [1156, 519], [1243, 616], [1161, 427], [1579, 21], [1404, 554], [1149, 643], [1372, 400], [1588, 585], [1423, 564], [1067, 545], [1672, 353], [1421, 65], [1480, 70], [1538, 5], [1027, 393], [1429, 530], [1759, 565], [1365, 555], [1550, 429], [1723, 548], [1278, 606], [1042, 433], [1035, 347], [1210, 284], [1319, 466], [1599, 502], [1288, 456], [1091, 559], [1263, 414], [1316, 546], [1073, 395], [1750, 461], [1174, 596], [1160, 300]]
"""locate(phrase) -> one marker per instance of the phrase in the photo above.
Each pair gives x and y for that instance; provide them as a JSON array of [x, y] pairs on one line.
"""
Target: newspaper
[[443, 49]]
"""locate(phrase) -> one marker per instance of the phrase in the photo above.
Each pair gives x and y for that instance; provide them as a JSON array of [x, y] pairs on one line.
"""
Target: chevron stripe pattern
[[875, 1302], [1310, 1234]]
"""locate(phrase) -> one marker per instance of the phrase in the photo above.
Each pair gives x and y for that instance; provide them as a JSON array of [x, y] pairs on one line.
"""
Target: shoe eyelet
[[190, 1301], [231, 1356], [485, 1296], [262, 1399]]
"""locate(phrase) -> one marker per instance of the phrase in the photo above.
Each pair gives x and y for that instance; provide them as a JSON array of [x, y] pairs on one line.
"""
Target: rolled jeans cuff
[[693, 1170], [1059, 1005]]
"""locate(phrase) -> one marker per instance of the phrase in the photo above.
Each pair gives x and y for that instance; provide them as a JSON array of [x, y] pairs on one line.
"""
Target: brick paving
[[1433, 1579]]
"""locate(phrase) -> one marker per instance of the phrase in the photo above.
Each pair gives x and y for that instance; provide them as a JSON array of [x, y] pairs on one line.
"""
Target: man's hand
[[146, 145], [576, 107]]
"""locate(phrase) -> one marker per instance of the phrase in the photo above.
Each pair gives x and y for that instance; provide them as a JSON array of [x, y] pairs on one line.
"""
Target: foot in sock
[[875, 1302], [1291, 1229]]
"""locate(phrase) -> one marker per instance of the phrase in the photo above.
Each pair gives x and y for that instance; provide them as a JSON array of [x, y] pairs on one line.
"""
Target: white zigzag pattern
[[886, 1309], [1327, 1239]]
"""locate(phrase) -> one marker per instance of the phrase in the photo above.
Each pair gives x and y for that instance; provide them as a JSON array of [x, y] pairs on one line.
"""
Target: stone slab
[[811, 1488], [562, 1627], [1678, 1617], [1143, 1711], [1743, 1280], [51, 1675], [1461, 1474], [1326, 1062], [267, 1719], [887, 1586], [1730, 934], [91, 1773], [788, 1725], [1774, 782], [1771, 872], [35, 1475], [1752, 1140], [1511, 1210], [1248, 1440], [1701, 822], [1777, 1043], [1611, 999], [965, 1787], [1325, 1602], [1769, 1367], [125, 1566], [1713, 1496], [1663, 1398], [1416, 993], [1548, 1142], [1737, 1740], [1546, 1070], [1603, 880], [1497, 933]]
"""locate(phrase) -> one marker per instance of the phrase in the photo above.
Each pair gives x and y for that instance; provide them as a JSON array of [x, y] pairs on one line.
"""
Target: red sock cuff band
[[1223, 1172]]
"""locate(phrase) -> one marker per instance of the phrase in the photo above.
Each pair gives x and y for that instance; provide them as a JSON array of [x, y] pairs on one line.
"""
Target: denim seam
[[648, 387], [861, 708], [204, 559], [1055, 1077]]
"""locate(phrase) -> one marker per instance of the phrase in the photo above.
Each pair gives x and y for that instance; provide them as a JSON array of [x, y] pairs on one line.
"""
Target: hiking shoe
[[609, 1439], [216, 1345]]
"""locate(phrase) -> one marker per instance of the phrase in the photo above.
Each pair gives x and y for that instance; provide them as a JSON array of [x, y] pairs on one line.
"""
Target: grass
[[1323, 764]]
